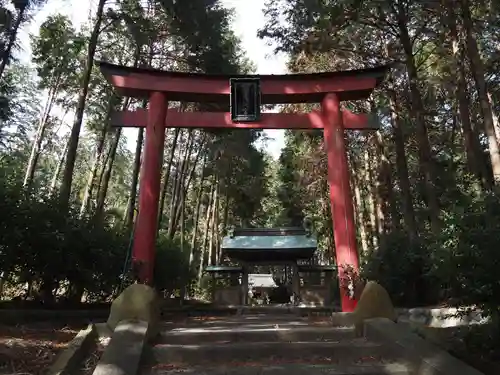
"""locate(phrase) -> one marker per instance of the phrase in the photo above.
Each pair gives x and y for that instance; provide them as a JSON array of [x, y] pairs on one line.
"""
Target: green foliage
[[403, 269], [19, 106], [466, 257], [42, 242], [204, 26], [457, 267], [57, 53], [172, 270]]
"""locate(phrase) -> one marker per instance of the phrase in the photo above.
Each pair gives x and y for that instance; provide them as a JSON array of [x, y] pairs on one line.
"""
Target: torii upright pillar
[[341, 203], [143, 251]]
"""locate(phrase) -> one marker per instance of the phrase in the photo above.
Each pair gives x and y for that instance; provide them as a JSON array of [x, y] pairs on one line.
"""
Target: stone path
[[267, 344]]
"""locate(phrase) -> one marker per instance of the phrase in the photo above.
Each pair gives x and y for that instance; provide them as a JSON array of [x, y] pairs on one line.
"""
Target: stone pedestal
[[137, 302], [228, 296]]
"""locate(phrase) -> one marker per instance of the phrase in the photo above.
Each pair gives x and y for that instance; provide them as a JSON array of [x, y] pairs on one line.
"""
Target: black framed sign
[[245, 99]]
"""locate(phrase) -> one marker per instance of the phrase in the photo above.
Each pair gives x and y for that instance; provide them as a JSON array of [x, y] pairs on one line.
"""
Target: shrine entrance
[[285, 255], [246, 96]]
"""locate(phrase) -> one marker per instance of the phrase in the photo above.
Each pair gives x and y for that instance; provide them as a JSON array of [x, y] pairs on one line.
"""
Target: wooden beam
[[275, 89], [177, 119]]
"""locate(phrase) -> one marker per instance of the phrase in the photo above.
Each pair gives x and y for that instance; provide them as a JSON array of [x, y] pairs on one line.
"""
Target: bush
[[466, 256], [458, 266], [61, 255], [403, 269], [172, 267]]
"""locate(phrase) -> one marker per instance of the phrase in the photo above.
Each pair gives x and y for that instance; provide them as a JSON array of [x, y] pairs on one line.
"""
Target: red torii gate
[[328, 88]]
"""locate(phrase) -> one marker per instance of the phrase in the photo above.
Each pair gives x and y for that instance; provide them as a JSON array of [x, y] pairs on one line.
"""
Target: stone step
[[256, 320], [243, 333], [286, 310], [210, 354], [286, 369]]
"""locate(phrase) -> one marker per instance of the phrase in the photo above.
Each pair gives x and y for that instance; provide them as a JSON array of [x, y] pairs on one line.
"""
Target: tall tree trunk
[[131, 202], [197, 212], [477, 70], [67, 180], [225, 218], [103, 191], [369, 198], [108, 166], [216, 233], [385, 191], [213, 224], [360, 211], [472, 147], [95, 165], [166, 176], [129, 213], [378, 202], [184, 286], [37, 143], [417, 111], [496, 120], [179, 187], [57, 171], [12, 39], [174, 198], [402, 169], [102, 169], [203, 247], [187, 184]]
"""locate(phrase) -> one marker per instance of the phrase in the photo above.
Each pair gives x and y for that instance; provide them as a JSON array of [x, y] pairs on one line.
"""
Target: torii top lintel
[[275, 89]]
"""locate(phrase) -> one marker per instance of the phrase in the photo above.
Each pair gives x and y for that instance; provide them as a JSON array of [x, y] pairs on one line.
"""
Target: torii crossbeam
[[328, 88]]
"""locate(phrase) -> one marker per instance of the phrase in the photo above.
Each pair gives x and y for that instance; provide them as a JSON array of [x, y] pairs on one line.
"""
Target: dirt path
[[31, 348]]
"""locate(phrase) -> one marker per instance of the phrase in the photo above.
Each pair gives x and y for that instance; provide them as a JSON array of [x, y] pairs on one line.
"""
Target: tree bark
[[216, 228], [385, 190], [102, 170], [55, 177], [174, 198], [197, 212], [103, 191], [225, 218], [37, 143], [417, 111], [496, 121], [183, 287], [65, 193], [472, 147], [477, 70], [360, 214], [166, 177], [108, 167], [186, 184], [369, 198], [402, 169], [205, 234], [179, 187], [213, 221], [95, 165], [129, 213]]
